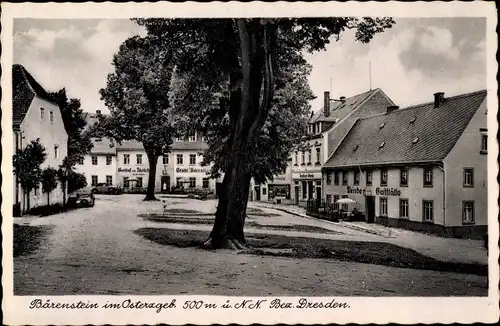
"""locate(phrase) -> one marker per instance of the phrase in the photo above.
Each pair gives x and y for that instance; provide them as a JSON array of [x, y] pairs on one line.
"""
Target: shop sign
[[310, 175], [279, 191], [387, 191], [359, 191], [192, 170], [136, 170], [280, 177]]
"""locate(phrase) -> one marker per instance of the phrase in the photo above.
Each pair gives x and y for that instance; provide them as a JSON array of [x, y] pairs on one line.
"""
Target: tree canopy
[[136, 95]]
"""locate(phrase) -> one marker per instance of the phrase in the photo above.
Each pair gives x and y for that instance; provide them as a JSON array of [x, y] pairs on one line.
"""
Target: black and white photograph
[[221, 165]]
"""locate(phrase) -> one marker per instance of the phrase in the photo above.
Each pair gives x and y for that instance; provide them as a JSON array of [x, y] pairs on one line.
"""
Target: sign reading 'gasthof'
[[387, 191]]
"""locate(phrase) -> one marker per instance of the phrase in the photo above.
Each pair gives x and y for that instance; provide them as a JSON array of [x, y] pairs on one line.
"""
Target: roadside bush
[[48, 210]]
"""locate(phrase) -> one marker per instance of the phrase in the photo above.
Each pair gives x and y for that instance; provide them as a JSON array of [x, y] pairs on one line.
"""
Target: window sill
[[317, 163], [295, 165], [468, 223], [309, 164], [428, 186], [428, 222], [355, 184], [383, 185], [403, 185], [404, 218], [468, 186], [302, 164], [482, 152]]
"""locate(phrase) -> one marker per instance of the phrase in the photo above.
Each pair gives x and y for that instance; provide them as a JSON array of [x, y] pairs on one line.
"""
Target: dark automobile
[[104, 188], [178, 190], [82, 197]]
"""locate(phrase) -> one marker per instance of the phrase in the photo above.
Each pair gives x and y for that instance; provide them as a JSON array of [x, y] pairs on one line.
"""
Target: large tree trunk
[[48, 199], [64, 192], [153, 160]]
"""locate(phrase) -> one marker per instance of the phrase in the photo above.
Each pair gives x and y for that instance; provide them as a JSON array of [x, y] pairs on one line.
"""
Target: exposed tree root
[[232, 244], [151, 199]]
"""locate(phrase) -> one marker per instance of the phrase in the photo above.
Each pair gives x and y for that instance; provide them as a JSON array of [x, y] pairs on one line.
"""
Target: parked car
[[82, 197], [178, 190], [104, 188]]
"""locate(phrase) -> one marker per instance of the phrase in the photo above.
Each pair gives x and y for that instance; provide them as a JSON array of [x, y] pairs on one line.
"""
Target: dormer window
[[353, 102], [412, 121], [415, 140], [42, 113], [381, 125], [382, 144], [51, 114], [355, 148], [98, 140]]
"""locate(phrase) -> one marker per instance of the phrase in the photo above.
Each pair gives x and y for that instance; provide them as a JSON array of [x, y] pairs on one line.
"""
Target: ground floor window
[[403, 208], [192, 182], [383, 206], [139, 183], [264, 191], [335, 204], [94, 180], [468, 212], [178, 182], [205, 182], [428, 213], [126, 183], [109, 179], [36, 188], [345, 207], [304, 189]]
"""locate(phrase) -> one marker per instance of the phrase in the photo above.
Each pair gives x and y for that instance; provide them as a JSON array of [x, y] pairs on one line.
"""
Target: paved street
[[95, 251]]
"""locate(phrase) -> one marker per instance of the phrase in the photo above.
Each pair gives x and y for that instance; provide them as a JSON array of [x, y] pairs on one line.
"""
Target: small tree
[[49, 181], [76, 181], [26, 163]]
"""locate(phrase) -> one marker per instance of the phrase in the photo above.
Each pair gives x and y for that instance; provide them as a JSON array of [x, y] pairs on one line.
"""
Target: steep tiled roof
[[176, 145], [339, 110], [392, 138], [24, 89]]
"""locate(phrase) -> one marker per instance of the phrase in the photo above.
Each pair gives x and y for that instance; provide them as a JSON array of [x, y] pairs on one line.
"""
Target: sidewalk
[[444, 249]]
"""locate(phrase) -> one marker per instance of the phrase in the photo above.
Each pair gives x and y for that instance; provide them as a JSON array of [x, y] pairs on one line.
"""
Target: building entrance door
[[370, 209], [318, 195], [296, 195], [165, 184], [257, 193], [310, 190]]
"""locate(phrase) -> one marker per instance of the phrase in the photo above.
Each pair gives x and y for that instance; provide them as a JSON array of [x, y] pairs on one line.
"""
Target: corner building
[[422, 168]]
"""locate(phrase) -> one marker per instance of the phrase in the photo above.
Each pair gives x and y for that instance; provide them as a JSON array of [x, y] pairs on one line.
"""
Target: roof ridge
[[26, 80], [416, 106]]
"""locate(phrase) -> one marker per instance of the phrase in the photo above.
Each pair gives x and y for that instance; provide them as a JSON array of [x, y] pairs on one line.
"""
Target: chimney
[[326, 105], [438, 99], [342, 99], [392, 108]]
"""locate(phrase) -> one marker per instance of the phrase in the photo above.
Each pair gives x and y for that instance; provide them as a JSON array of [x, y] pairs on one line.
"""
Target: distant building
[[34, 116], [326, 129], [422, 168], [127, 165]]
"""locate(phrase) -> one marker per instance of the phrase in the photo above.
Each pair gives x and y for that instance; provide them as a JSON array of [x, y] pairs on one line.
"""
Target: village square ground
[[112, 248]]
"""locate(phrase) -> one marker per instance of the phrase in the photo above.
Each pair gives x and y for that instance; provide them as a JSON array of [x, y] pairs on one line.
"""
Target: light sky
[[409, 62]]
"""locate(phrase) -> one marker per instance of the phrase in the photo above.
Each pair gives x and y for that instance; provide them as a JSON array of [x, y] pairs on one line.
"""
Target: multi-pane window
[[369, 177], [180, 159], [205, 183], [344, 178], [403, 208], [328, 178], [468, 177], [165, 159], [126, 183], [336, 178], [139, 182], [42, 112], [345, 207], [138, 158], [108, 159], [80, 160], [484, 143], [356, 177], [51, 115], [428, 177], [383, 177], [303, 158], [318, 155], [192, 159], [296, 158], [178, 182], [304, 189], [192, 182], [309, 155], [94, 180], [403, 177], [94, 160], [192, 137], [126, 158], [328, 199], [428, 210], [467, 212], [264, 191], [56, 151], [383, 206], [109, 179], [335, 204]]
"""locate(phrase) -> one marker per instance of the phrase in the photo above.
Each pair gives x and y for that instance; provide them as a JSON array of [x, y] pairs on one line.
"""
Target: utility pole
[[370, 73]]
